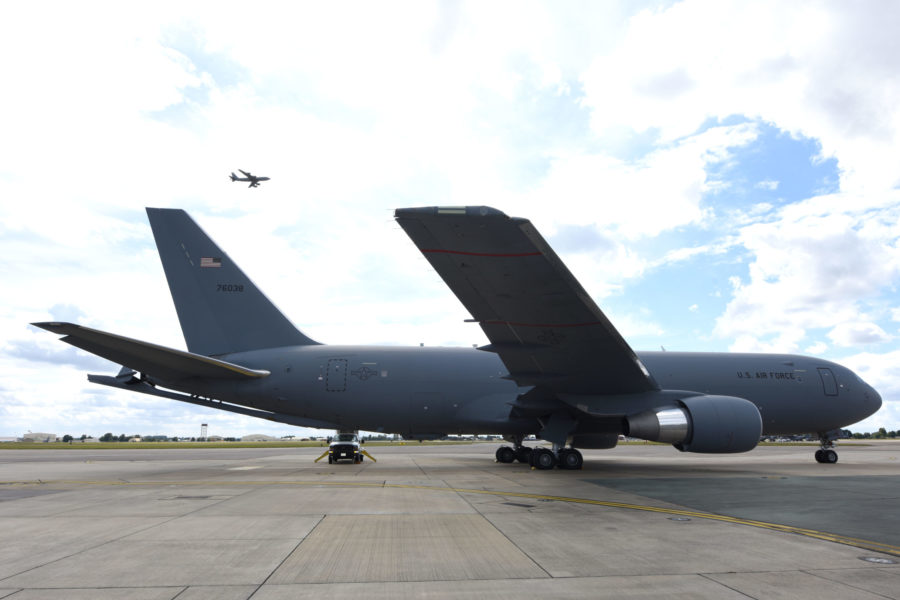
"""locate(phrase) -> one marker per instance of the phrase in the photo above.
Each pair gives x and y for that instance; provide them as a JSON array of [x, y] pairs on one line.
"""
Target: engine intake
[[707, 424]]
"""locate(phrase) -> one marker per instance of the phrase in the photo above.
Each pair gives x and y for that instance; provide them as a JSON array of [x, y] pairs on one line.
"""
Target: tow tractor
[[345, 445]]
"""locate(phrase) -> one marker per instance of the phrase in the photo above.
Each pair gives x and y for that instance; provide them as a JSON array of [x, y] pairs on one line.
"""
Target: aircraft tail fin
[[220, 310], [233, 176]]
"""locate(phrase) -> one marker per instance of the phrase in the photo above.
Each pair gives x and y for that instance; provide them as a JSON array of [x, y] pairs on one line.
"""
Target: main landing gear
[[541, 458], [505, 454], [826, 453]]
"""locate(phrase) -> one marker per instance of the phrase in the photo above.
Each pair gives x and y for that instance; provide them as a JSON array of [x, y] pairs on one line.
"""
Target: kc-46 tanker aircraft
[[555, 366]]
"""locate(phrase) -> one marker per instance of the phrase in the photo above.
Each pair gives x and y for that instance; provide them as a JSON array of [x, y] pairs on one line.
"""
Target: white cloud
[[881, 371], [356, 110], [823, 70], [817, 348], [819, 264], [635, 199], [858, 334]]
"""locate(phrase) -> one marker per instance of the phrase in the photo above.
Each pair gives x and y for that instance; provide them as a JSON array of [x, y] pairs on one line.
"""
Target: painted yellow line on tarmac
[[812, 533]]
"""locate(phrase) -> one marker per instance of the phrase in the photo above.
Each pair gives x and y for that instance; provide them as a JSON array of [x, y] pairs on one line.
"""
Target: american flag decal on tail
[[213, 262]]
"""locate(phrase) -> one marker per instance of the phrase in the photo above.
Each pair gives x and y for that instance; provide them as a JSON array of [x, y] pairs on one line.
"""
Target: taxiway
[[447, 521]]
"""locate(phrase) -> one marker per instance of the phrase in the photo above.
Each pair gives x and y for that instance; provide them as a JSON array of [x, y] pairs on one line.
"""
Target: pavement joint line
[[812, 533]]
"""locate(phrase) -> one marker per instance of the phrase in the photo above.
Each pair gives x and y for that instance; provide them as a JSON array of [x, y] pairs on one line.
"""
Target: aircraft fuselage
[[433, 391]]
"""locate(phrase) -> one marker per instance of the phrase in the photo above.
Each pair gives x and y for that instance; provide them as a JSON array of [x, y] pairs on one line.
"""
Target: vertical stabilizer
[[221, 311]]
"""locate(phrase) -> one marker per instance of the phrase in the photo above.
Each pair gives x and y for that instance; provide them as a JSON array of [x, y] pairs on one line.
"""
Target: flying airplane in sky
[[555, 366], [253, 179]]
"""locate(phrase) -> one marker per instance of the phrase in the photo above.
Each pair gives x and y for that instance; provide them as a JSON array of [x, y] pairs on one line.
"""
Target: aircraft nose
[[874, 398], [871, 402]]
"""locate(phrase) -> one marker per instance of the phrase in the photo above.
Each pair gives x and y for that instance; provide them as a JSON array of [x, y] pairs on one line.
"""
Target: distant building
[[8, 439], [39, 437], [258, 437]]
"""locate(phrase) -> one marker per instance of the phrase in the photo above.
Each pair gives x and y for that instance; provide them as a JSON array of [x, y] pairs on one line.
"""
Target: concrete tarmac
[[448, 522]]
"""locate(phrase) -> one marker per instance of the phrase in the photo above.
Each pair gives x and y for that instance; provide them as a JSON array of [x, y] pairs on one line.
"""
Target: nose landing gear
[[826, 453], [826, 456]]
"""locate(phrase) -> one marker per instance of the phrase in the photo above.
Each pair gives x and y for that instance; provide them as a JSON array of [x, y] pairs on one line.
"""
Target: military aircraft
[[555, 366], [253, 179]]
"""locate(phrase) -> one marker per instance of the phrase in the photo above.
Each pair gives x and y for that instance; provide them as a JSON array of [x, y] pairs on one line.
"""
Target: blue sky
[[719, 176]]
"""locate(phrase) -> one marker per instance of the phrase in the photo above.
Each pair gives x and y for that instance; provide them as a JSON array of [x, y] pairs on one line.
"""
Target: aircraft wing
[[165, 364], [540, 321]]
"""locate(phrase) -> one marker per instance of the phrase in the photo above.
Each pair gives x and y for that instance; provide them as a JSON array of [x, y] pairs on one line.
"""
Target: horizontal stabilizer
[[159, 362], [134, 385]]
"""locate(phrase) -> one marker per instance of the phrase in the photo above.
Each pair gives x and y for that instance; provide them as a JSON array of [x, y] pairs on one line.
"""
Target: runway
[[447, 521]]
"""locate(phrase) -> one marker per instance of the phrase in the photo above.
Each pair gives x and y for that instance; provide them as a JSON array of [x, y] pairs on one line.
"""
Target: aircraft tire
[[570, 458], [820, 456], [523, 454], [505, 454], [830, 457], [543, 459]]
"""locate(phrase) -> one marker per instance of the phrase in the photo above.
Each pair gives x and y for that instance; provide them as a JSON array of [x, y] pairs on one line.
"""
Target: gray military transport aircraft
[[253, 179], [555, 366]]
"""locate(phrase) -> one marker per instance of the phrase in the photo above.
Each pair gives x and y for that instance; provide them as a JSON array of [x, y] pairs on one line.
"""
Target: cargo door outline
[[829, 383], [336, 375]]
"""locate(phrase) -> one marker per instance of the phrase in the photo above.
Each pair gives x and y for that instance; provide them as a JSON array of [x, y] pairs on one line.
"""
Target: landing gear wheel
[[570, 458], [826, 454], [505, 454], [542, 458], [523, 454]]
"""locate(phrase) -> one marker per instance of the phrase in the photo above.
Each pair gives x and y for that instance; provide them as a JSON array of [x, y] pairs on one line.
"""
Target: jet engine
[[707, 424]]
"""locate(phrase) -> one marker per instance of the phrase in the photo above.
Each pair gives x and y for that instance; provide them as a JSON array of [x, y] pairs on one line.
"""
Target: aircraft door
[[829, 384], [336, 375]]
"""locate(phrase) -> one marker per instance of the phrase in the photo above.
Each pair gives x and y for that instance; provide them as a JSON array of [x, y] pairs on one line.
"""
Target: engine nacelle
[[708, 424]]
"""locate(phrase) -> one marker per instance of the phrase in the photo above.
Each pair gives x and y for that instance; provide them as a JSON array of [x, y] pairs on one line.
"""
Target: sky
[[719, 175]]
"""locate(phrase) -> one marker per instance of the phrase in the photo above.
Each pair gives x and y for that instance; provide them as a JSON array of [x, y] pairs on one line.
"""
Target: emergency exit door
[[829, 384], [336, 375]]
